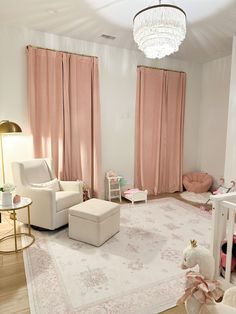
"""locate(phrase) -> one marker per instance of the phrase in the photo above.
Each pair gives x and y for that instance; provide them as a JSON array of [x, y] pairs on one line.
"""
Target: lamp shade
[[7, 126]]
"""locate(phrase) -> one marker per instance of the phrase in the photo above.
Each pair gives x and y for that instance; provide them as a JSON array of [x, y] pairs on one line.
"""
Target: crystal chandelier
[[159, 30]]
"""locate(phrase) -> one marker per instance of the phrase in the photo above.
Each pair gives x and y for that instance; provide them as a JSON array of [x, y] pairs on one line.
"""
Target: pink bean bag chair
[[198, 182]]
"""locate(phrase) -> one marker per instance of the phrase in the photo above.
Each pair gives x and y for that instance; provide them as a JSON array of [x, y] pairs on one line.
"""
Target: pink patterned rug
[[136, 271]]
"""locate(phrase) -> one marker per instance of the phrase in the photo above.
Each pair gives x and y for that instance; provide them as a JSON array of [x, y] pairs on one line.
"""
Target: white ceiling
[[211, 23]]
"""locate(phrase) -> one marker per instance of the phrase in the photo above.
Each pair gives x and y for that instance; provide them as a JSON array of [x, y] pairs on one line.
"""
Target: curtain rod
[[74, 53], [144, 66]]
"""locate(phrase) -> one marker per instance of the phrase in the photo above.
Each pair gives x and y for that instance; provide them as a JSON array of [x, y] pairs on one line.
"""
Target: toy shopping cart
[[222, 189]]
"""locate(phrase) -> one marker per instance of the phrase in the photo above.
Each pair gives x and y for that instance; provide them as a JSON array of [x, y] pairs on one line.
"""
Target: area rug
[[200, 198], [136, 271]]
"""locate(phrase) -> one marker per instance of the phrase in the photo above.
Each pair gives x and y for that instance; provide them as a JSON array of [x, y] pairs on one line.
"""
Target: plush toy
[[111, 173], [86, 194], [201, 289], [112, 176]]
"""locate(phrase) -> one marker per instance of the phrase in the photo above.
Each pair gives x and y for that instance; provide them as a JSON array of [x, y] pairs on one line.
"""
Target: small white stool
[[94, 221]]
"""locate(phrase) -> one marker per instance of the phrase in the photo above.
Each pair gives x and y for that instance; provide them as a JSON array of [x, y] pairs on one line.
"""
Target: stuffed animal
[[112, 176], [111, 173], [201, 289]]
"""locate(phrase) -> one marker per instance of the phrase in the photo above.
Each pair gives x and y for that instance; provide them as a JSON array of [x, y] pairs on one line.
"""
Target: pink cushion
[[198, 182]]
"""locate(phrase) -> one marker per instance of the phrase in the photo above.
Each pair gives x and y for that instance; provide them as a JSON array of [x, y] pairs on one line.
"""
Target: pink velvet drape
[[63, 97], [160, 104], [82, 121]]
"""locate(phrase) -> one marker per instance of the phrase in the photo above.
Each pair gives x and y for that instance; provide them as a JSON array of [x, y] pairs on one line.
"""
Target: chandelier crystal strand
[[159, 30]]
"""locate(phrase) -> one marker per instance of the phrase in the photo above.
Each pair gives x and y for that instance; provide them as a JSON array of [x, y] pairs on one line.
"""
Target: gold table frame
[[25, 202]]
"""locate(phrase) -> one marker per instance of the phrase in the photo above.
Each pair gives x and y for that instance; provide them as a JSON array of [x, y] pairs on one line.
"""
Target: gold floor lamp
[[6, 127]]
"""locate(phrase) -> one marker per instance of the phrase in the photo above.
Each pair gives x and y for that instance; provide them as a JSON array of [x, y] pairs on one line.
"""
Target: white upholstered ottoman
[[94, 221]]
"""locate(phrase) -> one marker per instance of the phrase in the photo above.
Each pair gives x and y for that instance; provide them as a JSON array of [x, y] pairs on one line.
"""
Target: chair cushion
[[53, 185], [66, 199], [198, 182], [94, 209], [36, 171]]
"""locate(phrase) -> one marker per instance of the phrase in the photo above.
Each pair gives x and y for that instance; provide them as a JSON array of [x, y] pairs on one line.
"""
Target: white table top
[[25, 201]]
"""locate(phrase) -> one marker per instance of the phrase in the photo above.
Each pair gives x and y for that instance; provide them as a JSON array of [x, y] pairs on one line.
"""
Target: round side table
[[24, 203]]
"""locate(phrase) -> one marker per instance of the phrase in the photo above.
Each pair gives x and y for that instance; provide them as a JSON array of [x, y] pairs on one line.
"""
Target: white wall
[[117, 88], [230, 160], [213, 116]]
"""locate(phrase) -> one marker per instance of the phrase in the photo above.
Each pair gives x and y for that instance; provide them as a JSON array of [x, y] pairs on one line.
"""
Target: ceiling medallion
[[159, 30]]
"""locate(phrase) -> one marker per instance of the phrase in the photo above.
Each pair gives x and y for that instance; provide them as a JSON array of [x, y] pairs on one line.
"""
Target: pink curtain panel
[[160, 102], [64, 109]]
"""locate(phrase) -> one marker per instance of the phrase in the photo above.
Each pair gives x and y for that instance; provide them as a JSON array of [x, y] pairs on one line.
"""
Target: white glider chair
[[51, 198]]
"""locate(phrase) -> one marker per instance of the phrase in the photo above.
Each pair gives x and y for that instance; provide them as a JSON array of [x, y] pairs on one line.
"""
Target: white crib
[[223, 225]]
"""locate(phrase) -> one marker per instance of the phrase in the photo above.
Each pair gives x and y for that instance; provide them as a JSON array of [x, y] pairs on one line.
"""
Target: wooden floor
[[13, 288]]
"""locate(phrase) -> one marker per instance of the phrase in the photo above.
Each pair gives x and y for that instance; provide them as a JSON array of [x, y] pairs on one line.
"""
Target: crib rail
[[223, 217], [231, 208]]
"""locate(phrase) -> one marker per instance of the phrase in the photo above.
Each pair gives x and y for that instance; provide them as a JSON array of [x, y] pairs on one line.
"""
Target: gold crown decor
[[193, 243]]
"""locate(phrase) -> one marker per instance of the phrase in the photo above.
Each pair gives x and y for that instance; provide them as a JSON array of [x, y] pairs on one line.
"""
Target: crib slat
[[229, 238], [224, 206], [219, 218]]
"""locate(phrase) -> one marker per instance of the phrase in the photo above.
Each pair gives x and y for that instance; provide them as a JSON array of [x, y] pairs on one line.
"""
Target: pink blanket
[[131, 191]]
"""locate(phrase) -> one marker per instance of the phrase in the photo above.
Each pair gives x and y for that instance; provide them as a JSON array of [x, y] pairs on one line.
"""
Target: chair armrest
[[32, 192], [43, 208], [42, 198], [76, 186]]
